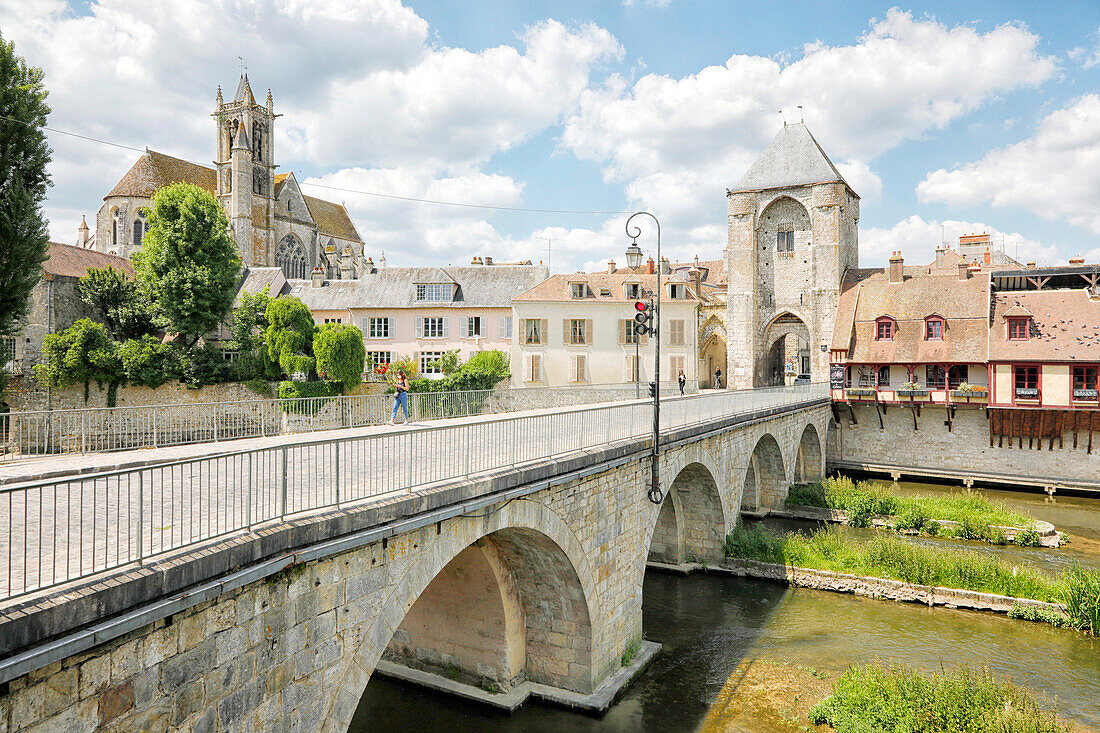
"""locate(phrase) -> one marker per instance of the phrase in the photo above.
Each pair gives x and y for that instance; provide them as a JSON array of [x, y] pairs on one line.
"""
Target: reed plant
[[861, 500], [1080, 595], [874, 697]]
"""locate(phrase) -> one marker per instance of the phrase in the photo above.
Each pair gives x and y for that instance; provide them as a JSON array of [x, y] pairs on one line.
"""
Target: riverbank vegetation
[[877, 698], [978, 517], [834, 549]]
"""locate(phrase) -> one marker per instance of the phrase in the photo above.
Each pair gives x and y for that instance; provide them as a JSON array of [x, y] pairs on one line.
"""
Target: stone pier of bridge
[[522, 581]]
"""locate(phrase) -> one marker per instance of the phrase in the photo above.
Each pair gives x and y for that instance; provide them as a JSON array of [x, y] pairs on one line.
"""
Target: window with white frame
[[578, 290], [434, 291], [633, 291], [578, 368], [432, 327], [532, 331], [676, 332], [471, 327], [532, 368], [504, 327], [429, 362], [676, 364], [378, 328], [627, 335], [578, 331], [379, 358]]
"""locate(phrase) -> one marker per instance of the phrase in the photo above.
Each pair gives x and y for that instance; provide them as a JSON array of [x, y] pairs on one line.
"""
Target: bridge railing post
[[282, 514], [141, 515], [336, 463]]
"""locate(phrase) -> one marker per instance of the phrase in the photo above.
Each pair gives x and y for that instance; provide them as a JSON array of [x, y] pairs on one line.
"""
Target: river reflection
[[709, 624]]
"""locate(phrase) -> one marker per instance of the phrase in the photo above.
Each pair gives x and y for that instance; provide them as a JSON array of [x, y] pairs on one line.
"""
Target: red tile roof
[[66, 260]]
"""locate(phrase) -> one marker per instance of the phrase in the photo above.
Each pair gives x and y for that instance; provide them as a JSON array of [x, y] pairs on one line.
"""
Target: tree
[[188, 260], [24, 155], [123, 306], [82, 352], [247, 326], [289, 335], [338, 348], [149, 362]]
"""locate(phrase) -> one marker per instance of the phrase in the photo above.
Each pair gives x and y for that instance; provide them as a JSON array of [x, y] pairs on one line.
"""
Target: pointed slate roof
[[244, 91], [792, 158]]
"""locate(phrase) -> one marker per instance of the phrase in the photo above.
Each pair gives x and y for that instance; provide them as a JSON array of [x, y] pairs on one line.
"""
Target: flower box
[[1089, 395], [1027, 393], [860, 391], [968, 393], [919, 392]]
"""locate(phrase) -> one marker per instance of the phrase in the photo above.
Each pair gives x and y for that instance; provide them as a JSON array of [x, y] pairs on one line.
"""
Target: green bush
[[911, 518], [81, 353], [1042, 615], [148, 362], [289, 335], [203, 365], [289, 392], [338, 349], [872, 697], [1029, 538]]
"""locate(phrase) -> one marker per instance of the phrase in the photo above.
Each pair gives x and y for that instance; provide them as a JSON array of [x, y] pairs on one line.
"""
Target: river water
[[744, 655]]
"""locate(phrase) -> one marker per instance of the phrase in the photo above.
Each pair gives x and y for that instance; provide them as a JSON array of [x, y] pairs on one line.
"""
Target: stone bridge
[[524, 580]]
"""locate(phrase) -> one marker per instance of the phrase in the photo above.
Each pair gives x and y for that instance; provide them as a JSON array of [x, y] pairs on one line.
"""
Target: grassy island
[[978, 517], [878, 698], [894, 558]]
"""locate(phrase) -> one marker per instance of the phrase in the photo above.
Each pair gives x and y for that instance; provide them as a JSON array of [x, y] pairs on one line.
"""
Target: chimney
[[650, 266], [473, 260], [82, 234], [318, 277], [695, 276], [988, 256], [1078, 260], [940, 252], [964, 270], [382, 259], [370, 266], [897, 272], [611, 267], [666, 267], [488, 260], [1031, 265], [696, 262]]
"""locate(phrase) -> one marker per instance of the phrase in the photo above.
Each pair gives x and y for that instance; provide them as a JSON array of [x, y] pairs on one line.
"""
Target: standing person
[[682, 380], [401, 398], [718, 378]]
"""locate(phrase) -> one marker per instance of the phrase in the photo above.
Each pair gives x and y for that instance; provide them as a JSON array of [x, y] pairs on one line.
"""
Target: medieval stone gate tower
[[792, 235]]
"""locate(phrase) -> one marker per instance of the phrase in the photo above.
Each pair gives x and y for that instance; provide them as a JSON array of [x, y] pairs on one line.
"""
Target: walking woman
[[682, 379], [401, 398]]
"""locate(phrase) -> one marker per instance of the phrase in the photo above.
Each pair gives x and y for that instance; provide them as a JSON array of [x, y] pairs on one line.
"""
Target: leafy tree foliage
[[289, 335], [123, 307], [24, 155], [248, 325], [484, 370], [148, 362], [338, 348], [79, 354], [188, 260]]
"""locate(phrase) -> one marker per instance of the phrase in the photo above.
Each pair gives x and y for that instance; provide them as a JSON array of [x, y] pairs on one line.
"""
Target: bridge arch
[[765, 484], [691, 523], [537, 616], [808, 462]]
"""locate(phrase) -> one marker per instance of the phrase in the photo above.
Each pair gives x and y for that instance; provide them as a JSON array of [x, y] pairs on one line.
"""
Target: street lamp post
[[655, 494]]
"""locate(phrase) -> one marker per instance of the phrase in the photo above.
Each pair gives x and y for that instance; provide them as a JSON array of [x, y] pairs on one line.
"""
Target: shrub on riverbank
[[877, 698], [1080, 594], [894, 558], [920, 512]]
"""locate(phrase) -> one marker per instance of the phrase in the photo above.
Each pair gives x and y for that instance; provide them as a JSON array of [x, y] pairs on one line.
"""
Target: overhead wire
[[360, 192]]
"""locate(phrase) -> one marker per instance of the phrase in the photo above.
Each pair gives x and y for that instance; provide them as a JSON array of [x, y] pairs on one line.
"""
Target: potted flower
[[912, 389], [965, 389]]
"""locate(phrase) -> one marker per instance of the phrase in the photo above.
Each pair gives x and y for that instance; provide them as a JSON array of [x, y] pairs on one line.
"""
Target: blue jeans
[[401, 399]]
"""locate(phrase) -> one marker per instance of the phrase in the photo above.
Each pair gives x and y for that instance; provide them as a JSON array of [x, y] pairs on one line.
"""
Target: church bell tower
[[246, 171]]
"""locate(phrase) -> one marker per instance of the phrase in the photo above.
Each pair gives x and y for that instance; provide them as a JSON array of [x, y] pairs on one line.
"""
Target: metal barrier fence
[[57, 531], [101, 429]]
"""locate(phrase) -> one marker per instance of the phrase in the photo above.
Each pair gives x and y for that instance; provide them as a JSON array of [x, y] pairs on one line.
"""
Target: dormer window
[[633, 291], [437, 292], [1019, 328], [885, 328], [676, 291], [578, 290], [934, 326]]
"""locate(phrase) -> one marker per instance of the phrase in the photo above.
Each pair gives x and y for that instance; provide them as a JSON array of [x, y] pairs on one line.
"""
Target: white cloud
[[1087, 58], [1055, 173], [917, 239]]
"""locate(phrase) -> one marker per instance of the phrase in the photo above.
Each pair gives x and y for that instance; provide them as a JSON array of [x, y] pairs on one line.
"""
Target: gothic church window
[[139, 231], [785, 238], [290, 255]]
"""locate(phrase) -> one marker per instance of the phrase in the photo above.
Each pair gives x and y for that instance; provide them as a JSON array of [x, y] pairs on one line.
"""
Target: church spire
[[244, 91], [270, 102], [220, 101]]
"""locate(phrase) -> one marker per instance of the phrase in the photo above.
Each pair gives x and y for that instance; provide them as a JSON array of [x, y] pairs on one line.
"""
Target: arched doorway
[[808, 465], [691, 525], [508, 608], [712, 352], [787, 354], [765, 477]]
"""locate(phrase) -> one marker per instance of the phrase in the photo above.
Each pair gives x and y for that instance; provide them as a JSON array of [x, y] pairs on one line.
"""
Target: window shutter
[[565, 335], [582, 368], [446, 322], [465, 325], [527, 367], [420, 328], [390, 332], [588, 331], [544, 332], [622, 333], [364, 324], [501, 332]]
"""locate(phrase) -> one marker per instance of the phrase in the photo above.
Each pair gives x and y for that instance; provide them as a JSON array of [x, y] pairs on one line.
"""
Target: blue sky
[[945, 117]]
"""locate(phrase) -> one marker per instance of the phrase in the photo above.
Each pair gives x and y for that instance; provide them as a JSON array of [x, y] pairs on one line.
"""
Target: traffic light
[[643, 319], [652, 389]]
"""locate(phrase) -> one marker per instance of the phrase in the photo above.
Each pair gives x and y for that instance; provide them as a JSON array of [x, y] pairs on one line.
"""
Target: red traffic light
[[641, 305]]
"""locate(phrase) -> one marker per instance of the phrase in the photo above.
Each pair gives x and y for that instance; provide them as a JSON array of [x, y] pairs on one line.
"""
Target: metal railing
[[60, 530], [101, 429]]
